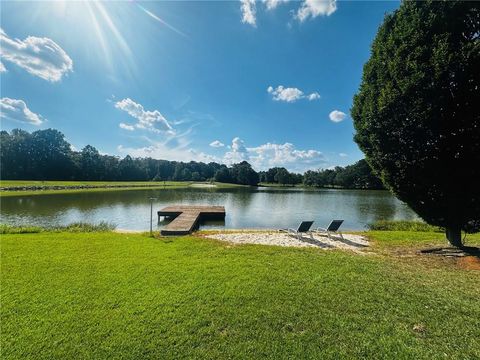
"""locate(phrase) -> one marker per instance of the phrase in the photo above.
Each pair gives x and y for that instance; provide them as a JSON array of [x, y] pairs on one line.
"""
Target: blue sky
[[268, 82]]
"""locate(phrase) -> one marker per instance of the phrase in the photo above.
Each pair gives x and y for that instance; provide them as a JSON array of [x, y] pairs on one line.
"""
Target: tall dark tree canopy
[[417, 111]]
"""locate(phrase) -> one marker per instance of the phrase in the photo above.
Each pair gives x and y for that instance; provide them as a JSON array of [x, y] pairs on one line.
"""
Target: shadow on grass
[[454, 252]]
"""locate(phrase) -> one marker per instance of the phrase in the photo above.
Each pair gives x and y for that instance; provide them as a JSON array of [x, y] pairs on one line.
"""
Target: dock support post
[[151, 215]]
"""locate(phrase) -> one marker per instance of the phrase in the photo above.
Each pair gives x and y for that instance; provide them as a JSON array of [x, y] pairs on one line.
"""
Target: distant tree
[[91, 164], [310, 178], [196, 176], [50, 155], [129, 170], [223, 175], [242, 173], [417, 111], [283, 176], [186, 174], [270, 175]]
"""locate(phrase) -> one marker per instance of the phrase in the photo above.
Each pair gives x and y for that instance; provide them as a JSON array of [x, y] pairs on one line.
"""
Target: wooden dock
[[186, 218]]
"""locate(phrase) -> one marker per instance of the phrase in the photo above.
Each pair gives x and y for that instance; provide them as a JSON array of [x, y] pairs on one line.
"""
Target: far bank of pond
[[247, 207]]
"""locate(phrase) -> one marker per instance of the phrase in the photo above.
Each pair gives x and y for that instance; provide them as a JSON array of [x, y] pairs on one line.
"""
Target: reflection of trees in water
[[50, 203], [373, 205]]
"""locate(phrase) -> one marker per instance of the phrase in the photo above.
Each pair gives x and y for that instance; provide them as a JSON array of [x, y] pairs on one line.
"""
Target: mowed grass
[[129, 296], [37, 187], [27, 183]]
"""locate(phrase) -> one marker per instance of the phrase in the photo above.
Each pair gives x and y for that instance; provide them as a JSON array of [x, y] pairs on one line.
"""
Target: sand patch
[[349, 242]]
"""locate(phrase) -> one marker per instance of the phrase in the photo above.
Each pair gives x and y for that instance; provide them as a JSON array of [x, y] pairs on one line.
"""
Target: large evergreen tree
[[417, 111]]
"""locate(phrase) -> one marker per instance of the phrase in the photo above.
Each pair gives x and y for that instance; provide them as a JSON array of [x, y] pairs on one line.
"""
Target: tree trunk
[[454, 236]]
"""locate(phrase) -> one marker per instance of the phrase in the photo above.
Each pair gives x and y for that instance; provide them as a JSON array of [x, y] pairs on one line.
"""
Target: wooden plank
[[187, 217]]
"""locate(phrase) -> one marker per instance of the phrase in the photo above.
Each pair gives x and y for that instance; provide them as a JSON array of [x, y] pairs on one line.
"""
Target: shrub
[[385, 225], [73, 227]]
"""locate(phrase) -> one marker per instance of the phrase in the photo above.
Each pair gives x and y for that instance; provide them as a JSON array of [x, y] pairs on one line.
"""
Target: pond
[[267, 208]]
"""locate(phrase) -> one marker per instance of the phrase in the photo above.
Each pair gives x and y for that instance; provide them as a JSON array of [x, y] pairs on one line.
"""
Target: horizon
[[269, 82]]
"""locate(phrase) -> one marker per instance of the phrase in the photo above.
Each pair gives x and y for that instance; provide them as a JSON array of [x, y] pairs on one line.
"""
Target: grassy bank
[[33, 187], [108, 295]]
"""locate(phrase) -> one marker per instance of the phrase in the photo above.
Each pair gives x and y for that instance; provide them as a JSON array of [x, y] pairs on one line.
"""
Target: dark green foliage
[[417, 111], [280, 175], [386, 225], [243, 174], [356, 176], [223, 175]]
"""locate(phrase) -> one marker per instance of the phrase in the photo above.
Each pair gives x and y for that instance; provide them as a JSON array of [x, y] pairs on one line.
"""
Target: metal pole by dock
[[151, 215]]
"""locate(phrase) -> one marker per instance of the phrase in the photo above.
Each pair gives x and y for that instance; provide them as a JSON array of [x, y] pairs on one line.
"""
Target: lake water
[[246, 207]]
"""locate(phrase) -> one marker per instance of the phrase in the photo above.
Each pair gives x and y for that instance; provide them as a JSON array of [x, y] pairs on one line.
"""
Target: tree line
[[46, 155]]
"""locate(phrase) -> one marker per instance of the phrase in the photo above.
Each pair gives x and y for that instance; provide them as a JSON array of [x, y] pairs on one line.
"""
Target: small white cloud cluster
[[270, 155], [217, 144], [337, 116], [314, 8], [41, 57], [272, 4], [148, 120], [290, 94], [307, 9], [17, 110], [249, 11]]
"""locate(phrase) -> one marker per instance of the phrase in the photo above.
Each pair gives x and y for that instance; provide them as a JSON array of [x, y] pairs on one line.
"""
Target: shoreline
[[65, 187]]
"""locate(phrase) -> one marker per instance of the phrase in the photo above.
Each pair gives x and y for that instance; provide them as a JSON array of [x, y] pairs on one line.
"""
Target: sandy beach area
[[349, 242]]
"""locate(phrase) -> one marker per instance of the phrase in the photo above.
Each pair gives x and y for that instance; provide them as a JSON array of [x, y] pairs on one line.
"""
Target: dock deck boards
[[187, 217]]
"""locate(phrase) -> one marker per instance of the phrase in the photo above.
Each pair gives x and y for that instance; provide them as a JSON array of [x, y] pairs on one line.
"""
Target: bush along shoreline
[[77, 227]]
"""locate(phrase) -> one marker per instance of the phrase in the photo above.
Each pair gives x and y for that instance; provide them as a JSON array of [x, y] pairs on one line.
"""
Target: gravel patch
[[350, 241]]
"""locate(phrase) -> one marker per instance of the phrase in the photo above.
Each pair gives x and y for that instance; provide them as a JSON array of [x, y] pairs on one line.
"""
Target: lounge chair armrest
[[321, 229], [289, 230]]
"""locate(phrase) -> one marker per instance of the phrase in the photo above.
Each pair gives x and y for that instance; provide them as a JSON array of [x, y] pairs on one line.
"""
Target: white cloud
[[217, 144], [249, 11], [164, 152], [285, 94], [337, 116], [126, 126], [314, 8], [281, 93], [17, 110], [272, 4], [270, 155], [149, 120], [342, 155], [238, 152], [41, 57], [261, 157], [2, 67]]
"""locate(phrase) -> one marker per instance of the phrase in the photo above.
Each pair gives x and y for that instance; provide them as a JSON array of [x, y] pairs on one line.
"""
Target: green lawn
[[37, 187], [108, 295]]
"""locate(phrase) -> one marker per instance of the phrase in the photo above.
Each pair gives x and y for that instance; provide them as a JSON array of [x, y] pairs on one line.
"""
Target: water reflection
[[246, 208]]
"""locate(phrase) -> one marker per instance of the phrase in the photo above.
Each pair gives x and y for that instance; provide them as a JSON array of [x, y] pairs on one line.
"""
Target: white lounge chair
[[331, 229], [303, 228]]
